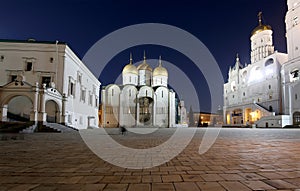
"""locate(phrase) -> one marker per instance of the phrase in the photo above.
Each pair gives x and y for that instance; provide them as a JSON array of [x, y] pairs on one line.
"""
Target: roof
[[31, 41]]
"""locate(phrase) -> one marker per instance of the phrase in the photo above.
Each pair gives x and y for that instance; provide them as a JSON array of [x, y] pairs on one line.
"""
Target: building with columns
[[142, 100], [265, 92], [46, 82]]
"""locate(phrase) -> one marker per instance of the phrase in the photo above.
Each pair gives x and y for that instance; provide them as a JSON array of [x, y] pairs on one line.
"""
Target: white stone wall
[[261, 45], [57, 62], [162, 107], [160, 81], [82, 108], [292, 21], [130, 79], [258, 82], [128, 110]]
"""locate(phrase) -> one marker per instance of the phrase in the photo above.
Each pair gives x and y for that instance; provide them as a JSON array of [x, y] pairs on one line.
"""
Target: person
[[123, 130]]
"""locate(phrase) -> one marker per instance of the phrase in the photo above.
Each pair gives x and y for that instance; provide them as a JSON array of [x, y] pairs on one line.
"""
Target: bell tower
[[292, 21], [261, 41]]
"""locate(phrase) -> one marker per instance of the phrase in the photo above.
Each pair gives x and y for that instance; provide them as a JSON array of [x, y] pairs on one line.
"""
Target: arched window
[[112, 92], [269, 62]]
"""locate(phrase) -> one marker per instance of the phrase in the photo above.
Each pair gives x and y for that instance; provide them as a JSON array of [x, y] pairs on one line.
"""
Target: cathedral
[[142, 100], [265, 92]]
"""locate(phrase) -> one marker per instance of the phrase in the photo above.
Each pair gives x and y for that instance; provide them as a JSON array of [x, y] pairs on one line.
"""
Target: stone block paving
[[239, 160]]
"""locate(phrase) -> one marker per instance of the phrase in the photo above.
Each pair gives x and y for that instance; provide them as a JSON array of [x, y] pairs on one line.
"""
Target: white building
[[290, 70], [265, 92], [142, 100], [46, 82]]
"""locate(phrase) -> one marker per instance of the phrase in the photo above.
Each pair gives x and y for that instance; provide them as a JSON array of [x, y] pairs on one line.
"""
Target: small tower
[[292, 21], [145, 73], [234, 77], [130, 74], [160, 75], [261, 41]]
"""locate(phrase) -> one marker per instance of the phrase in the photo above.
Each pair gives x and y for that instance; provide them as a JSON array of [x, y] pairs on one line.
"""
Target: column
[[138, 112], [34, 113], [42, 113], [3, 113], [64, 112]]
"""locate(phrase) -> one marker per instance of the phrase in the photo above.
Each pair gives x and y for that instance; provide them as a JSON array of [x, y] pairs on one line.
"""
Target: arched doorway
[[296, 118], [52, 111], [237, 116], [19, 108], [146, 110]]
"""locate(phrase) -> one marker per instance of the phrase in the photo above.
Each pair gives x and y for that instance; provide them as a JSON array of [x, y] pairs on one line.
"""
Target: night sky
[[223, 26]]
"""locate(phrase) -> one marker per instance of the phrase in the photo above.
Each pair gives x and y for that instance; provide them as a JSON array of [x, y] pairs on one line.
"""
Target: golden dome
[[144, 65], [160, 71], [130, 68], [261, 27]]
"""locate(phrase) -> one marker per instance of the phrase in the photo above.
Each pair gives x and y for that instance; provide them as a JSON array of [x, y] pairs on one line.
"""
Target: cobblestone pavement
[[240, 160]]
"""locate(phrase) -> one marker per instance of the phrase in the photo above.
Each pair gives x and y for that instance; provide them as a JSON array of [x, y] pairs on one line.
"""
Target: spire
[[130, 58], [259, 18], [237, 62], [237, 58], [160, 62]]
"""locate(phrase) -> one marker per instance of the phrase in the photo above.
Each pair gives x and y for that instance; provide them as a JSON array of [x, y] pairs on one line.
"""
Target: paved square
[[240, 159]]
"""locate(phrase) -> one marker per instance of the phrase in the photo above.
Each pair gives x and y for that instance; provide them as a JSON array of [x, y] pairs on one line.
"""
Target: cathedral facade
[[265, 92], [142, 100]]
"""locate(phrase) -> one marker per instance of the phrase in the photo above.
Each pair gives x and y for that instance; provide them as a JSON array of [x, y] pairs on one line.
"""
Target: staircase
[[48, 127], [60, 128], [264, 111], [29, 129]]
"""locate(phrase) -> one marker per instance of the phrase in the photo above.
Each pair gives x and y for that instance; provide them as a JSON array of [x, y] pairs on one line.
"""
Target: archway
[[296, 118], [52, 111], [19, 108]]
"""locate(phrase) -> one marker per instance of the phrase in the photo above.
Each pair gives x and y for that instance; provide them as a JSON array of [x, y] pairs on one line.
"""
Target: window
[[28, 66], [269, 62], [270, 96], [232, 96], [71, 89], [295, 21], [96, 102], [51, 59], [112, 92], [91, 99], [296, 96], [269, 87], [46, 80], [294, 75], [80, 120], [129, 93], [1, 58], [146, 93], [79, 79], [244, 94], [129, 79], [82, 96], [13, 78], [70, 119], [162, 93]]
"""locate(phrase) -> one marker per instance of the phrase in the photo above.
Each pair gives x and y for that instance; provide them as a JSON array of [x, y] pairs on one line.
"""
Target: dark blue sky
[[223, 26]]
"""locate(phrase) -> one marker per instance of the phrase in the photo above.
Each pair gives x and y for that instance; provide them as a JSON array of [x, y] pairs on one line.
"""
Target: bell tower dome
[[261, 41], [292, 21]]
